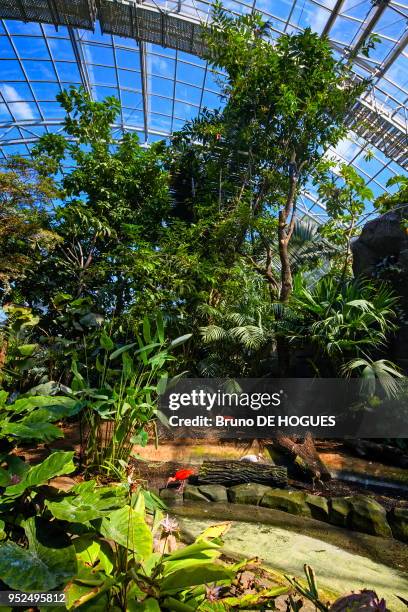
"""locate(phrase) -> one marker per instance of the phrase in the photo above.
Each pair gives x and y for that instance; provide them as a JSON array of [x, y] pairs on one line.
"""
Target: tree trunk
[[286, 271], [304, 455], [230, 473]]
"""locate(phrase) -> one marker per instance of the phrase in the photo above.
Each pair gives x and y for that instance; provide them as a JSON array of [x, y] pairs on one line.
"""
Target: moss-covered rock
[[398, 520], [248, 493], [319, 508], [215, 493], [368, 516], [339, 511], [293, 502], [192, 493]]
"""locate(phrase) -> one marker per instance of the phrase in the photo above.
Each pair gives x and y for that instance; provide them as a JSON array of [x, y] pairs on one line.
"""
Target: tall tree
[[114, 200], [26, 236], [286, 104]]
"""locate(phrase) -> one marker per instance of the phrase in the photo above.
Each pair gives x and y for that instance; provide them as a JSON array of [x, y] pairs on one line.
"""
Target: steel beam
[[147, 23], [392, 56], [333, 16], [372, 19], [145, 93], [80, 59]]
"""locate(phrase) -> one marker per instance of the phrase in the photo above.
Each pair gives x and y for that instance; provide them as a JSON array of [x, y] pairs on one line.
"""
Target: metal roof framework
[[148, 55]]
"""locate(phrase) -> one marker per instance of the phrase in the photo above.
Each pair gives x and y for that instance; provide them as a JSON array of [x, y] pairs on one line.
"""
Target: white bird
[[252, 458]]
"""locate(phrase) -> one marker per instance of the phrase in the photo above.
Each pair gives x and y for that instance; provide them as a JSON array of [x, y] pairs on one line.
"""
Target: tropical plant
[[384, 371], [17, 347], [340, 319], [345, 196], [121, 400], [113, 201], [98, 545], [32, 417], [354, 602], [234, 343], [389, 201], [112, 548]]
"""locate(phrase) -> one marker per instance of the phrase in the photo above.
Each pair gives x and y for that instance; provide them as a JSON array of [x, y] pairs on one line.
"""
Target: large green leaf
[[180, 340], [148, 605], [16, 465], [88, 590], [38, 401], [56, 464], [41, 430], [23, 569], [87, 598], [255, 599], [191, 576], [105, 341], [175, 605], [121, 350], [87, 503], [27, 349], [173, 566], [128, 528], [48, 562], [93, 551], [202, 546], [4, 478]]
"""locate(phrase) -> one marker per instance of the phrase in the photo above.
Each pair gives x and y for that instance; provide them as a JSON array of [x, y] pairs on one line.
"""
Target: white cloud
[[20, 109], [315, 16]]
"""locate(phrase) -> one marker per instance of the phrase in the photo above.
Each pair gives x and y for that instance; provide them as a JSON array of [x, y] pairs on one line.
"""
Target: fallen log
[[304, 456], [229, 473]]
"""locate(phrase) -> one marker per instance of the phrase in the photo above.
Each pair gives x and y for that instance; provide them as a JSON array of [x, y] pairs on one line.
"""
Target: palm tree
[[234, 343], [339, 320]]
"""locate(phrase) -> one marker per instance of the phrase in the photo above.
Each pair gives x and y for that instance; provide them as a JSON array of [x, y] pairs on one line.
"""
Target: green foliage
[[98, 545], [86, 502], [382, 370], [26, 235], [127, 527], [18, 351], [115, 199], [341, 319], [390, 201], [108, 249], [47, 562], [121, 399], [309, 590], [57, 464], [32, 417], [345, 197], [234, 343], [286, 104]]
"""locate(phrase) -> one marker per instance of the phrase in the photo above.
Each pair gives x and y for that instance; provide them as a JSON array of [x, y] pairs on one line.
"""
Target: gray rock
[[248, 493], [293, 502], [368, 516], [215, 493], [384, 241], [339, 511], [318, 506], [171, 496], [398, 520], [192, 493], [381, 237]]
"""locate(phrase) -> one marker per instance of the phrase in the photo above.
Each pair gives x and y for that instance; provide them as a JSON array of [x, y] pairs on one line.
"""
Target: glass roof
[[161, 87]]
